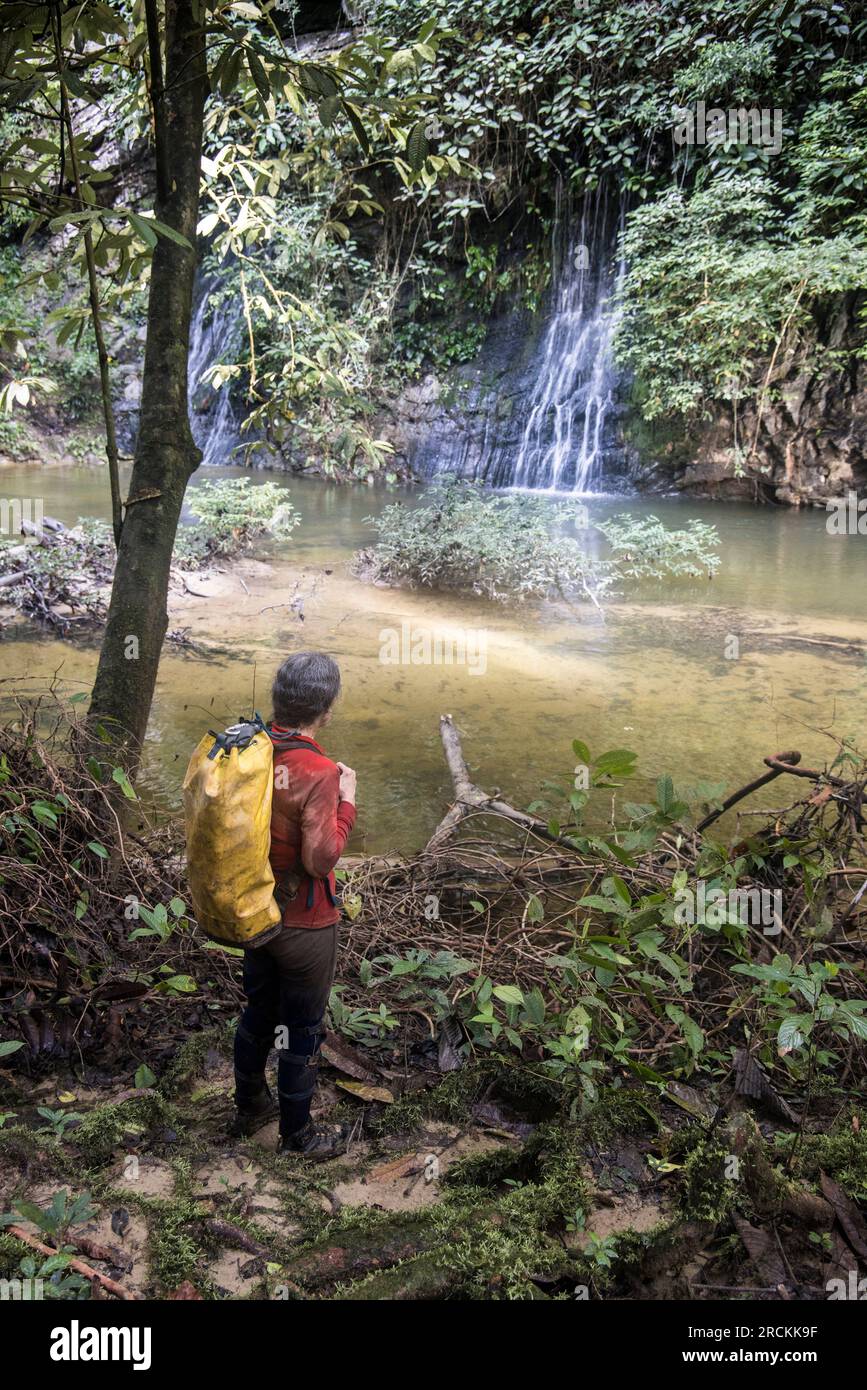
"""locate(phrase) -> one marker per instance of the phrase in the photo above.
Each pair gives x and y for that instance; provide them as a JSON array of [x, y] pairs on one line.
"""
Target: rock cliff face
[[804, 442], [804, 447], [470, 423], [473, 424]]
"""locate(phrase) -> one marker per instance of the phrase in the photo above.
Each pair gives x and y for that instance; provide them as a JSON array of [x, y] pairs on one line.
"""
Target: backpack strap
[[291, 743], [241, 735]]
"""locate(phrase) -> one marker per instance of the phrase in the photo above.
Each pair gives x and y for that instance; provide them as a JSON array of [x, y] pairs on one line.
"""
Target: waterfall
[[539, 410], [567, 428], [215, 425]]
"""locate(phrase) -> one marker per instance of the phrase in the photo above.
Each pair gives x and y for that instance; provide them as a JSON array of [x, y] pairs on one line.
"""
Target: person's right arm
[[327, 818]]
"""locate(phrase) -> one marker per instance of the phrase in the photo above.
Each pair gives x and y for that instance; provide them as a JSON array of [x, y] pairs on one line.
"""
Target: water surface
[[654, 676]]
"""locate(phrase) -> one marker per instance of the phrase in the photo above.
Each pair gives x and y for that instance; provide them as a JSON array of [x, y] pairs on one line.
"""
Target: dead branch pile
[[488, 870], [75, 871], [57, 576], [493, 887]]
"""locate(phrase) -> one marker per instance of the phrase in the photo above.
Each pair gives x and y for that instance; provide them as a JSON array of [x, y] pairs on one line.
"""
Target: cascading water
[[541, 412], [216, 428], [567, 430]]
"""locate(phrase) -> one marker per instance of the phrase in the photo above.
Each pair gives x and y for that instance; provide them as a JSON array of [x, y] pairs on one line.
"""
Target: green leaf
[[7, 1048], [357, 124], [690, 1030], [534, 1004], [165, 230], [258, 74], [508, 994], [96, 848], [78, 88], [535, 909], [144, 229], [665, 794], [119, 776], [619, 888], [144, 1076], [617, 760], [417, 146], [31, 1212], [229, 74], [177, 984], [789, 1036]]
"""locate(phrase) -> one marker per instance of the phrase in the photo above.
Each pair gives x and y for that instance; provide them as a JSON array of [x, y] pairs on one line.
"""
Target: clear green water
[[653, 677]]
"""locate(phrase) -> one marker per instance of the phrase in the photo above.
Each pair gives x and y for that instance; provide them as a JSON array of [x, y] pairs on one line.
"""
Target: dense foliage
[[230, 513], [339, 271], [736, 253], [514, 547]]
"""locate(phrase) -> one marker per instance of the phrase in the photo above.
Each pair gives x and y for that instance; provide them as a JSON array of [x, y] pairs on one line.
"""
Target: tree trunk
[[166, 454]]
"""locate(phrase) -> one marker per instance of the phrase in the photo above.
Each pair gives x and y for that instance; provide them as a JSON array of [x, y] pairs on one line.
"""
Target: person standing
[[288, 975]]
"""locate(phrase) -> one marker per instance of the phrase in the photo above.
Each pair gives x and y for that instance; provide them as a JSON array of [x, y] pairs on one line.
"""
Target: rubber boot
[[253, 1116], [317, 1141]]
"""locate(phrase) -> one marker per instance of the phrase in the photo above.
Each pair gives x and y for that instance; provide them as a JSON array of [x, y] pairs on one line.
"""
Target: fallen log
[[469, 798], [351, 1254], [49, 524], [229, 1234], [420, 1279]]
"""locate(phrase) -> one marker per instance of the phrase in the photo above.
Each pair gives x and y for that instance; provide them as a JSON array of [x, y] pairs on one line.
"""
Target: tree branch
[[96, 314], [157, 95]]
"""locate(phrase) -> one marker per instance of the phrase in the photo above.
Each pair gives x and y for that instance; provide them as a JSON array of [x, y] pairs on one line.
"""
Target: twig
[[110, 1285], [783, 762]]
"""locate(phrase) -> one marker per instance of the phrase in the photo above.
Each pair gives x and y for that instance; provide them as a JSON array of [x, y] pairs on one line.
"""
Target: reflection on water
[[653, 677]]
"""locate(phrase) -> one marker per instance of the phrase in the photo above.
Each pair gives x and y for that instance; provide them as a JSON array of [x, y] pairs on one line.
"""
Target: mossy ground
[[624, 1197]]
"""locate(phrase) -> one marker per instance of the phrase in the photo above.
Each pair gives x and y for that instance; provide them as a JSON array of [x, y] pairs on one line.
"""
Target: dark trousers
[[287, 982]]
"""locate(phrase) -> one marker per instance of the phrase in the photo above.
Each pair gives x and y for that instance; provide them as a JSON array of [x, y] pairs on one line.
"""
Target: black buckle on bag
[[238, 736]]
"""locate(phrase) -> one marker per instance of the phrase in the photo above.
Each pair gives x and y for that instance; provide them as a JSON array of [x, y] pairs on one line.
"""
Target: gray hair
[[305, 687]]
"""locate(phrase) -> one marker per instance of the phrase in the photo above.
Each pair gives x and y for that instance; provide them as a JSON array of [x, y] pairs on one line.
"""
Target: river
[[658, 675]]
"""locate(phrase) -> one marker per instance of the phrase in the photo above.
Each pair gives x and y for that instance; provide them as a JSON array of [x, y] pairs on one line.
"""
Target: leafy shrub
[[508, 546], [696, 328], [642, 546], [489, 544], [232, 512]]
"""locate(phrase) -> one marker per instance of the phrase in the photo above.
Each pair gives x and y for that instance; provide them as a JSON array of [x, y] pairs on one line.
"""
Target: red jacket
[[309, 829]]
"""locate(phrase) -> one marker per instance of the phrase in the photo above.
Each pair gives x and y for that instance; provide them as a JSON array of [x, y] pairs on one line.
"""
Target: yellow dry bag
[[227, 809]]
